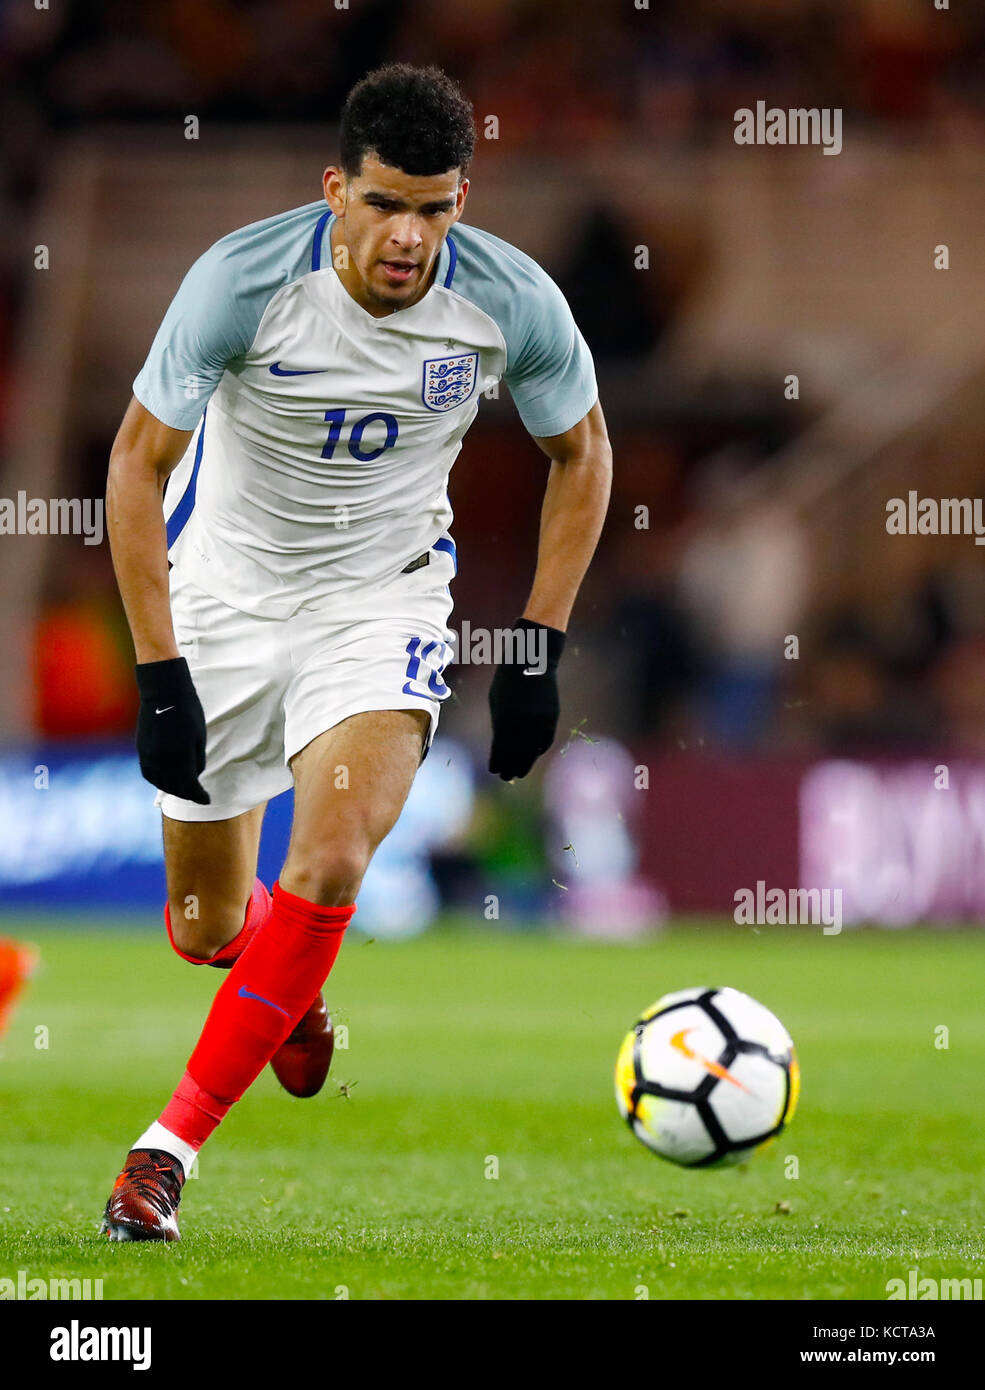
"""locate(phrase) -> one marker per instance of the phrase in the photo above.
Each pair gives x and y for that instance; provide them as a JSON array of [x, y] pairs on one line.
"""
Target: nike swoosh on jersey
[[278, 370]]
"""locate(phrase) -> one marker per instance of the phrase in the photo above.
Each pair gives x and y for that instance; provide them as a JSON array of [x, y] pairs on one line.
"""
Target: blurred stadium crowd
[[563, 70], [680, 639]]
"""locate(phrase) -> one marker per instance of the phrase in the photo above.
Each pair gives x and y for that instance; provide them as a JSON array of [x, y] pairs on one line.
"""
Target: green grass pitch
[[471, 1054]]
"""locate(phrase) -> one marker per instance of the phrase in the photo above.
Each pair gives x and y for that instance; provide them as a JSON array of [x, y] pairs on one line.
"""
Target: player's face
[[393, 225]]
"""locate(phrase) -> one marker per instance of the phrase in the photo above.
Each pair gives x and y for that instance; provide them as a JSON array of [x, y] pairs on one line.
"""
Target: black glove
[[525, 705], [171, 729]]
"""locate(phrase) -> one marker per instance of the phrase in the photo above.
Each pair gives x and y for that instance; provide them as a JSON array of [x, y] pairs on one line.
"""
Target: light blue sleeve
[[550, 374], [549, 368], [207, 325], [214, 317]]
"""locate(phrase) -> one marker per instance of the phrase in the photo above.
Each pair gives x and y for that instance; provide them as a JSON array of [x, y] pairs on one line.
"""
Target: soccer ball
[[706, 1077]]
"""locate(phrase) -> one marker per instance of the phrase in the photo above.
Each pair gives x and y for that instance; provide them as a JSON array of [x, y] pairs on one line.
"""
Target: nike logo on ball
[[679, 1044], [278, 370]]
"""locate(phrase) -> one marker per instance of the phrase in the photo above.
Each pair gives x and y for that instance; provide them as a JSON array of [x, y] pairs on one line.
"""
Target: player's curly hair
[[413, 118]]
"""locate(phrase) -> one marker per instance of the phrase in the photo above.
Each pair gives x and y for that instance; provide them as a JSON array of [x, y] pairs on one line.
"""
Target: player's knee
[[328, 875], [199, 935]]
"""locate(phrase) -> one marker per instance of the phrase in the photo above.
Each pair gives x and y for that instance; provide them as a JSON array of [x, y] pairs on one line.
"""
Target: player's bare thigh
[[211, 868], [350, 784]]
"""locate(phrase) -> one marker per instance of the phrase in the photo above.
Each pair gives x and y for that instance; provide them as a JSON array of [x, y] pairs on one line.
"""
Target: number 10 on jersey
[[336, 419]]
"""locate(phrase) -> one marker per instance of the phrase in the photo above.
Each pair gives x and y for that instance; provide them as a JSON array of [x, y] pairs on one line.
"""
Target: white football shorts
[[268, 686]]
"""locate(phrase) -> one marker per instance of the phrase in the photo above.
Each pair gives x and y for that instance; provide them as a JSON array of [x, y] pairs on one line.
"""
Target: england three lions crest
[[449, 381]]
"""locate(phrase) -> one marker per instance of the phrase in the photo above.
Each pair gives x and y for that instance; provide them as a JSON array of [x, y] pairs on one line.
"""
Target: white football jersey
[[324, 436]]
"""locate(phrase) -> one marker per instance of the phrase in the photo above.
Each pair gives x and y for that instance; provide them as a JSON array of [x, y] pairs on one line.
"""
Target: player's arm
[[524, 700], [144, 454], [212, 319], [571, 518], [171, 725]]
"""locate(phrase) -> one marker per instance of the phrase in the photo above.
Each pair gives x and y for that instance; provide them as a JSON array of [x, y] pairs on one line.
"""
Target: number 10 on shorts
[[424, 667]]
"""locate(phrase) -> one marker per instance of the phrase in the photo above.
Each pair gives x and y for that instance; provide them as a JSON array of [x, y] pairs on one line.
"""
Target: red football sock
[[270, 987], [257, 914]]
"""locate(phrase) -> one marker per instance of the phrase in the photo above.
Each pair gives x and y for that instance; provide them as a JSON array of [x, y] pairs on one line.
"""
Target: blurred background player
[[304, 399]]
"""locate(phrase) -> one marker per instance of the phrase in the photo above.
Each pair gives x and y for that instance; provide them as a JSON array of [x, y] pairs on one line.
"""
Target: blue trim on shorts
[[447, 544]]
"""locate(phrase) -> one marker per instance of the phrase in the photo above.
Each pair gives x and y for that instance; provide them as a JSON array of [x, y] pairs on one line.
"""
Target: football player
[[304, 399]]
